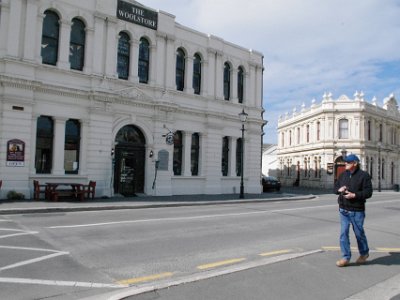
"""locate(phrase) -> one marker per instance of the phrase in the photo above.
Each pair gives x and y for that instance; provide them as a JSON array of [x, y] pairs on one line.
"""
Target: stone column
[[234, 86], [232, 157], [63, 45], [97, 48], [89, 55], [158, 64], [170, 61], [210, 75], [219, 76], [14, 25], [111, 48], [187, 147], [58, 146], [134, 61], [83, 147], [189, 76]]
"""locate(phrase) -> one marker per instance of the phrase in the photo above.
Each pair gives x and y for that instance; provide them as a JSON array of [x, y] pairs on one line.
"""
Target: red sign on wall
[[15, 153]]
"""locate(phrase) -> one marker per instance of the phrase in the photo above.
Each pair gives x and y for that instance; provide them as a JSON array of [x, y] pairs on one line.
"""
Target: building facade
[[313, 141], [119, 93]]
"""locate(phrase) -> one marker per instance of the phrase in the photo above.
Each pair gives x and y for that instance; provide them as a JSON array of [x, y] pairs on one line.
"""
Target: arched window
[[194, 156], [77, 45], [343, 129], [240, 87], [383, 168], [227, 81], [124, 49], [180, 70], [197, 74], [144, 60], [225, 156], [318, 130], [50, 38], [72, 145], [239, 145], [380, 133], [44, 145], [308, 133], [178, 145]]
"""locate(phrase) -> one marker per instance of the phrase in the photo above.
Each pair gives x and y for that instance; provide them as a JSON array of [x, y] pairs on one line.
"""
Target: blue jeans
[[356, 219]]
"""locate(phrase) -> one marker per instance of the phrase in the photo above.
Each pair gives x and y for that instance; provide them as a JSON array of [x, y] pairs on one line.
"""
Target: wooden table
[[74, 190]]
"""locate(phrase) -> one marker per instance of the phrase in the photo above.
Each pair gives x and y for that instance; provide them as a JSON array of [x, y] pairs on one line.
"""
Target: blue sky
[[309, 46]]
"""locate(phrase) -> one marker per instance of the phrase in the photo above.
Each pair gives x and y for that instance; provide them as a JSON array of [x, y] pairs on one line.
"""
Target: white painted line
[[31, 249], [185, 218], [61, 283], [203, 217], [31, 261], [18, 234]]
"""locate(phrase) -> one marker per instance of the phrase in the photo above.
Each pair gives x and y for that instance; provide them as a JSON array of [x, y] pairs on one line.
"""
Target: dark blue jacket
[[358, 182]]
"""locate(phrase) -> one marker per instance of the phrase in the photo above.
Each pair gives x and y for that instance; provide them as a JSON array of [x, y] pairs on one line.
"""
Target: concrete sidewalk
[[144, 201]]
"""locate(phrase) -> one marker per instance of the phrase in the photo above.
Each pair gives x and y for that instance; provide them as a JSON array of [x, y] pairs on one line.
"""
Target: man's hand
[[342, 189], [349, 195]]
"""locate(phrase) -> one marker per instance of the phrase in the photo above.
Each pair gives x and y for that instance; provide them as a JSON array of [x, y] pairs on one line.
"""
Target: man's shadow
[[393, 258]]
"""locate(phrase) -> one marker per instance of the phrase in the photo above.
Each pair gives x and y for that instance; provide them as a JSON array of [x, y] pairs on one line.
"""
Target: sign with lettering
[[15, 153], [137, 14], [163, 157]]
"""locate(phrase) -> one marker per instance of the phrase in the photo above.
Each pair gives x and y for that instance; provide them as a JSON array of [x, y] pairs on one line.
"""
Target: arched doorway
[[339, 167], [129, 161]]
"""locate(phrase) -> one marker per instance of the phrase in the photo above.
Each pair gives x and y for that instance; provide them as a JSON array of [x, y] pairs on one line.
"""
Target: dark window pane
[[240, 85], [225, 156], [144, 61], [239, 145], [50, 36], [197, 74], [177, 161], [77, 45], [71, 147], [227, 81], [194, 157], [180, 70], [44, 145], [123, 56]]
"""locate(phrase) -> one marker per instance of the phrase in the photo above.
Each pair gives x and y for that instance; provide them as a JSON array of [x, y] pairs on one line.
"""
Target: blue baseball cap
[[351, 158]]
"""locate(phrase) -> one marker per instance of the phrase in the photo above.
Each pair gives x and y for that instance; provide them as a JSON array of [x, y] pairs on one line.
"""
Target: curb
[[145, 288], [11, 211]]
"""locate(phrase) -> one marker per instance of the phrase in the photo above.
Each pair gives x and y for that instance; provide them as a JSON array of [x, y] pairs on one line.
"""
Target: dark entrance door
[[129, 161]]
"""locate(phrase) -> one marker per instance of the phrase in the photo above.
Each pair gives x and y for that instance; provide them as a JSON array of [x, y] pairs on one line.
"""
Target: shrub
[[13, 195]]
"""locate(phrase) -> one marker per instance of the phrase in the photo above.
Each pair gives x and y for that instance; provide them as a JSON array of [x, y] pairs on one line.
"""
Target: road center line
[[145, 278], [220, 263]]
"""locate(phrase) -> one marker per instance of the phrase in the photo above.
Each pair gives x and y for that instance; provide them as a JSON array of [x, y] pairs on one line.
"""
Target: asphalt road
[[81, 254]]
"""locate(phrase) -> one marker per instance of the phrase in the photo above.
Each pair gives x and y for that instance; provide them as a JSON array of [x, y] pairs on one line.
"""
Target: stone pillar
[[58, 146], [170, 61], [63, 45], [219, 76], [204, 74], [210, 75], [234, 86], [187, 147], [97, 48], [14, 25], [111, 48], [159, 63], [189, 76], [83, 147], [89, 55], [153, 65], [134, 61]]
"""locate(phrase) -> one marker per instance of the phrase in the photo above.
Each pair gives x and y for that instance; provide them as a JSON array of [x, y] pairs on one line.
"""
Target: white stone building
[[270, 166], [311, 141], [108, 90]]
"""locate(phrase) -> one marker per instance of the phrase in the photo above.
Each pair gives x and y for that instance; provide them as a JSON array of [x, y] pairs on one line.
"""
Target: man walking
[[353, 186]]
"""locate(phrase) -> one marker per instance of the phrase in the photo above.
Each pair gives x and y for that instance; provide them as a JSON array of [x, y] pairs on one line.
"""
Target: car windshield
[[272, 178]]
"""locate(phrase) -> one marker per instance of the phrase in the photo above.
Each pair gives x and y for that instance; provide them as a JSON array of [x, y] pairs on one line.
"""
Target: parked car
[[270, 183]]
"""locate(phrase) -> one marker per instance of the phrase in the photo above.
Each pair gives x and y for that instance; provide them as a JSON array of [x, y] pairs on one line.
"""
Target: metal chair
[[90, 189], [38, 189]]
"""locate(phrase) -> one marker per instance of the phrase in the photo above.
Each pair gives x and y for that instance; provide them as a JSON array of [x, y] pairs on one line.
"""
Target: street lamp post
[[379, 166], [243, 118]]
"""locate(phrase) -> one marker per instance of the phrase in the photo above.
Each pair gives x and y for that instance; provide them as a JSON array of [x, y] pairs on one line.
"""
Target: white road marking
[[61, 283], [30, 249], [203, 217], [19, 232], [33, 260]]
